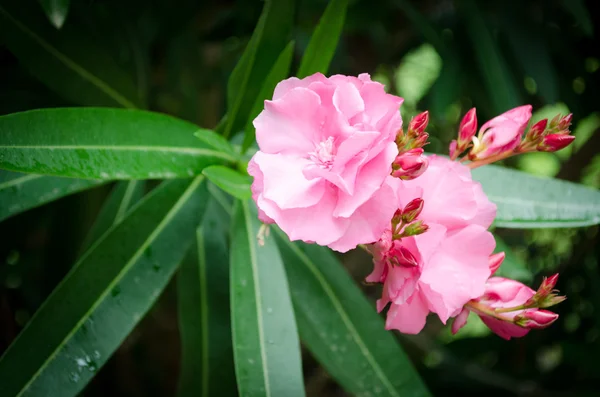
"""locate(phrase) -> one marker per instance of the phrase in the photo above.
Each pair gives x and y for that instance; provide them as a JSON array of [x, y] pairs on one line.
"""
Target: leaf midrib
[[132, 148], [159, 228], [339, 308], [19, 180], [69, 63], [255, 276]]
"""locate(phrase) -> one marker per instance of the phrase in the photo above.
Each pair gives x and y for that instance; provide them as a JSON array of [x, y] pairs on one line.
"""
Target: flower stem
[[482, 309]]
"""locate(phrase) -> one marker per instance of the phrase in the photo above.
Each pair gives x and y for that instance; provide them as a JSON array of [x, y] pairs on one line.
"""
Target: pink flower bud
[[565, 122], [421, 140], [404, 257], [554, 142], [452, 149], [397, 217], [495, 261], [412, 210], [502, 133], [536, 131], [410, 165], [468, 126], [547, 285], [535, 318], [414, 229], [418, 124]]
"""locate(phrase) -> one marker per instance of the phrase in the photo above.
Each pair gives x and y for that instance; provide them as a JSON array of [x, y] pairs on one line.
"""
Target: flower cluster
[[336, 168]]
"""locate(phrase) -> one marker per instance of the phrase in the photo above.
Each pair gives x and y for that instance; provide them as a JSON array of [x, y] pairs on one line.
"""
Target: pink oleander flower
[[503, 293], [448, 265], [502, 133], [326, 150]]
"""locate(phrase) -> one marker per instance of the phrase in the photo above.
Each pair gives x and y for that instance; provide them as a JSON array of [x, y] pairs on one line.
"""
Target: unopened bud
[[397, 217], [536, 131], [551, 300], [409, 165], [554, 142], [535, 318], [452, 150], [547, 285], [412, 210], [414, 229], [495, 261], [421, 140], [565, 122], [404, 257], [418, 124], [468, 127]]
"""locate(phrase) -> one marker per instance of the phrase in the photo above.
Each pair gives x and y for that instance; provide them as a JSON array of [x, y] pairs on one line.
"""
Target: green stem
[[485, 310]]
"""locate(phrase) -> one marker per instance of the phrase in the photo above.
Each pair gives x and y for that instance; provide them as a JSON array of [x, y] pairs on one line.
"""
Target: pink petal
[[504, 329], [347, 100], [284, 86], [284, 182], [410, 317]]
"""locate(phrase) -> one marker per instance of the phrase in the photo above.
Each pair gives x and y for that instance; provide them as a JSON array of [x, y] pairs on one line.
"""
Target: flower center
[[324, 153]]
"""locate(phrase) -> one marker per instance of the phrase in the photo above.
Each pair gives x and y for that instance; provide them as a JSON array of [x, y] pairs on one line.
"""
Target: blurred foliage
[[442, 55]]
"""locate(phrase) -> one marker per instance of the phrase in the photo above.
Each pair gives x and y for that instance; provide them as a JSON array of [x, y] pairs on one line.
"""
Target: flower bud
[[452, 150], [410, 165], [536, 131], [468, 127], [397, 217], [404, 257], [495, 261], [551, 300], [420, 141], [535, 318], [565, 122], [547, 285], [418, 124], [554, 142], [414, 229], [412, 210]]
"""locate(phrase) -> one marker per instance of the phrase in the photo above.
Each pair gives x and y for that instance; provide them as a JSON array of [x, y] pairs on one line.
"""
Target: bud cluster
[[411, 162], [504, 136], [404, 223]]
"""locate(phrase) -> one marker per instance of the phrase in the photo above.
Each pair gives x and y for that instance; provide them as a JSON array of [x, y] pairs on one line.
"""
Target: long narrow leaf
[[265, 340], [203, 301], [324, 41], [20, 192], [105, 144], [105, 295], [66, 61], [279, 71], [123, 196], [341, 328], [526, 201], [271, 35]]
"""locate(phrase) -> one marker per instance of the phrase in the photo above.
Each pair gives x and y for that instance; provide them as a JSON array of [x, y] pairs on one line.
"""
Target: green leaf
[[265, 340], [279, 71], [526, 201], [105, 295], [271, 35], [203, 301], [416, 74], [20, 192], [209, 138], [497, 79], [512, 267], [324, 41], [67, 61], [123, 196], [229, 180], [104, 143], [341, 328], [56, 11]]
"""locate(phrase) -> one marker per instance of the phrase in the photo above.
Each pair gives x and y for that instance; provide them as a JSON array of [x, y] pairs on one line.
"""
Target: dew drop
[[269, 310], [74, 377]]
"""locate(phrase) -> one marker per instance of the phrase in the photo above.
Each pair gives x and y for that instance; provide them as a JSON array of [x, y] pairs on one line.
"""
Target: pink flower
[[502, 133], [452, 257], [451, 197], [451, 269], [505, 293], [326, 152]]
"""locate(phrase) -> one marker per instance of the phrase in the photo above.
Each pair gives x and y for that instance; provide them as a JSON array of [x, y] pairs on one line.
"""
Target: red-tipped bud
[[421, 140], [565, 122], [452, 150], [412, 210], [403, 257], [414, 229], [418, 124], [536, 130], [410, 165], [554, 142], [495, 261], [535, 318], [397, 217], [547, 285], [468, 127]]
